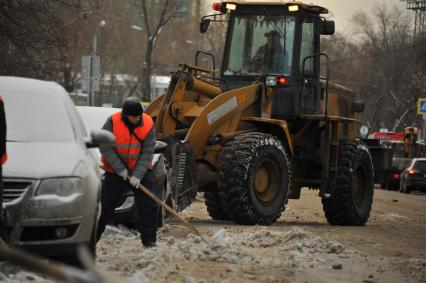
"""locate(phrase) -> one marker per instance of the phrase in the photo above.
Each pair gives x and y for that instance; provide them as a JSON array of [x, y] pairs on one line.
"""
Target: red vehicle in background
[[388, 136]]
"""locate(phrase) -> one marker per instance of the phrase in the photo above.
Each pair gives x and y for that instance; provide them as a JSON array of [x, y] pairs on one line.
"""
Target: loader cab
[[279, 44]]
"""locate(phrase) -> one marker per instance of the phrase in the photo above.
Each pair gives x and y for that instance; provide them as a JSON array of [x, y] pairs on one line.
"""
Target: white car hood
[[42, 160]]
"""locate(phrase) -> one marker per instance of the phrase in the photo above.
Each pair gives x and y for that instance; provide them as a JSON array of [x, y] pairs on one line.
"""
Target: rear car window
[[420, 166]]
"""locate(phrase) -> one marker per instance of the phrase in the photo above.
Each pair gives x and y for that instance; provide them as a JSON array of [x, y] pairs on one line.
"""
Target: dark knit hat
[[132, 106]]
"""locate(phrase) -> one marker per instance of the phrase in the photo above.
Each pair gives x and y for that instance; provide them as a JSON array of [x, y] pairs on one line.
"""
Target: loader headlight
[[231, 6], [62, 187], [293, 8]]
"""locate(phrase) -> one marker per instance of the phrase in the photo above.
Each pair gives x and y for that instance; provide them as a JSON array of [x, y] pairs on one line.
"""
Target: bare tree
[[34, 36], [155, 15], [381, 64]]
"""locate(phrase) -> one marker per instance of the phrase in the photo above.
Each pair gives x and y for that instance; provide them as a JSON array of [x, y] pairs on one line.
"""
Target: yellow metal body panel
[[154, 107], [282, 124], [220, 110], [186, 109]]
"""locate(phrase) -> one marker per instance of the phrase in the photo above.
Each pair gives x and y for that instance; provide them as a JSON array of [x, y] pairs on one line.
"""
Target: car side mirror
[[204, 25], [327, 27], [99, 138], [160, 147]]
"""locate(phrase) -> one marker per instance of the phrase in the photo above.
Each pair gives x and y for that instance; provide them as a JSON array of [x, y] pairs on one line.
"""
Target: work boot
[[149, 244]]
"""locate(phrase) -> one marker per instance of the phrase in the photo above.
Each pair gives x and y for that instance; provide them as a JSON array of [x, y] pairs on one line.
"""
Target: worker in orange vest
[[129, 163], [3, 157]]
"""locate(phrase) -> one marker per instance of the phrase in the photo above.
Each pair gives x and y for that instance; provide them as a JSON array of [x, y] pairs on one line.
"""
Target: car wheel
[[161, 185], [92, 243], [162, 213]]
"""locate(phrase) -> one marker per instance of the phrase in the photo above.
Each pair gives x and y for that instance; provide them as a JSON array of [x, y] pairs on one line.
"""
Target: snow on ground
[[297, 247]]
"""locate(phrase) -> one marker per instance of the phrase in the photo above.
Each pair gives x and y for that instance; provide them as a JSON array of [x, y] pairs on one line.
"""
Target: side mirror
[[160, 147], [327, 27], [204, 25], [100, 138]]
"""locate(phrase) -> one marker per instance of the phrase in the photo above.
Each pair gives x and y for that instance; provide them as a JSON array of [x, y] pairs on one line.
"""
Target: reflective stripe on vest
[[127, 145]]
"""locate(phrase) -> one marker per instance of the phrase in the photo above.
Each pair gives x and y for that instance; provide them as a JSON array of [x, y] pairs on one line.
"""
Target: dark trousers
[[112, 187]]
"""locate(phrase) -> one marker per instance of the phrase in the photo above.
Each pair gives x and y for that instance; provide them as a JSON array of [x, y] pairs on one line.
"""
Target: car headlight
[[60, 186]]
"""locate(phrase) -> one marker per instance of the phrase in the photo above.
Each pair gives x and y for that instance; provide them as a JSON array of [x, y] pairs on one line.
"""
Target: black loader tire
[[214, 206], [254, 179], [352, 200]]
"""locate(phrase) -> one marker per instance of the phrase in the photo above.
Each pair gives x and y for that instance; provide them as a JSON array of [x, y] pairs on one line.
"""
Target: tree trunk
[[147, 71]]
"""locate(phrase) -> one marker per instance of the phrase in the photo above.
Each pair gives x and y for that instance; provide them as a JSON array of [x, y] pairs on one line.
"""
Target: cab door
[[309, 67]]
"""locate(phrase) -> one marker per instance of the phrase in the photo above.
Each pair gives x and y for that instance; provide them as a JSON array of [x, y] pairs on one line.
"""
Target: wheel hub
[[266, 180], [261, 180]]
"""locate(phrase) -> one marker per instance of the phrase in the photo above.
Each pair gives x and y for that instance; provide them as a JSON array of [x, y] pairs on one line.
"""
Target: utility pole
[[90, 69], [419, 7]]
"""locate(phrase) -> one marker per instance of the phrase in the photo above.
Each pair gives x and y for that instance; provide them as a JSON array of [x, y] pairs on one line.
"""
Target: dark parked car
[[413, 178], [51, 179], [94, 118], [393, 175]]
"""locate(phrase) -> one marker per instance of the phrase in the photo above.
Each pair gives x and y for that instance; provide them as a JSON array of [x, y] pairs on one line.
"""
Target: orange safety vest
[[127, 145], [4, 155]]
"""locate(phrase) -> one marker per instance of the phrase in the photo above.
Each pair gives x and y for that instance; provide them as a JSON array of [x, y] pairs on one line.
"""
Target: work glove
[[135, 182], [123, 174]]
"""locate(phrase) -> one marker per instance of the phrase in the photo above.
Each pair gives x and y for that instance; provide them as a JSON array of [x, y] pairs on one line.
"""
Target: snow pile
[[220, 237], [119, 232], [298, 247]]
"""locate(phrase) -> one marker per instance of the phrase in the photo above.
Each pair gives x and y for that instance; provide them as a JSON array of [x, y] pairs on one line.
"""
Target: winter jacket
[[134, 145], [274, 60]]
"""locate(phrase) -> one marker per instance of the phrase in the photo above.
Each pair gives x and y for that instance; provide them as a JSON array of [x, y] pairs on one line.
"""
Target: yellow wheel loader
[[268, 125]]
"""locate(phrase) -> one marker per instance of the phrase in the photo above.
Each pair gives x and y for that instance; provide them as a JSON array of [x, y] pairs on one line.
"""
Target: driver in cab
[[272, 54]]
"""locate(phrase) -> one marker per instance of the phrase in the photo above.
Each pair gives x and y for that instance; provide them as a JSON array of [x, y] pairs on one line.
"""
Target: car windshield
[[420, 166], [260, 45], [36, 117]]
